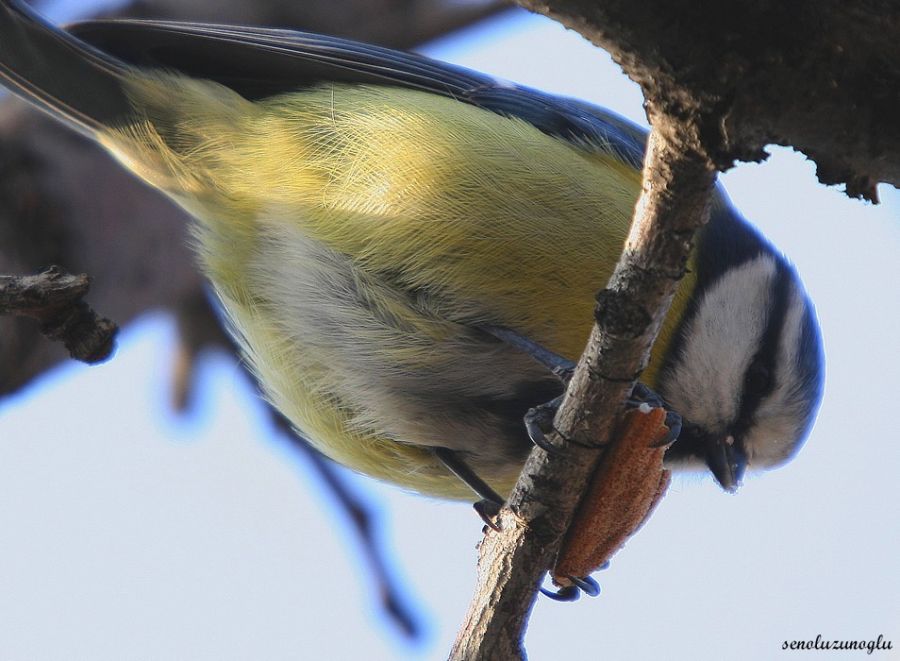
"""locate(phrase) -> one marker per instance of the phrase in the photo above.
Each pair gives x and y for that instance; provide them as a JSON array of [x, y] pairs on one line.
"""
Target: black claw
[[568, 593], [536, 433], [673, 422], [584, 584], [488, 511], [539, 420], [643, 394], [587, 585]]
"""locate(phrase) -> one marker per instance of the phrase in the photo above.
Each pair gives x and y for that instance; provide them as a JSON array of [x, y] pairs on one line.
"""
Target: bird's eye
[[758, 381]]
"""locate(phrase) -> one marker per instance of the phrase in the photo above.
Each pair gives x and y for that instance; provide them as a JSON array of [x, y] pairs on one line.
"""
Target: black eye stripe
[[759, 379]]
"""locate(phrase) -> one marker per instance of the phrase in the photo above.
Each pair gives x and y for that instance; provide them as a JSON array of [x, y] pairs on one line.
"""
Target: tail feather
[[59, 73]]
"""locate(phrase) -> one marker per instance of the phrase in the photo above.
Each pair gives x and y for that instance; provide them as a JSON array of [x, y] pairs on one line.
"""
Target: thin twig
[[55, 299]]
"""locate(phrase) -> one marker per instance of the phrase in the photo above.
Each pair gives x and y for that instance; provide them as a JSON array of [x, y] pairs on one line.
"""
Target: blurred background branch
[[49, 211], [55, 299], [65, 201]]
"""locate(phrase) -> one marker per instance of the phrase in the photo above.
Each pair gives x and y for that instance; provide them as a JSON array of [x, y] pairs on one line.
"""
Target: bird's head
[[746, 369]]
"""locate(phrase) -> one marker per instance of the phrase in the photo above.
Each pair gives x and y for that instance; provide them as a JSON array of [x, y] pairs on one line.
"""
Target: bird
[[377, 225]]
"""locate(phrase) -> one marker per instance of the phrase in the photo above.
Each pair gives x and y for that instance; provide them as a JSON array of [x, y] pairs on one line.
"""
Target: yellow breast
[[446, 216]]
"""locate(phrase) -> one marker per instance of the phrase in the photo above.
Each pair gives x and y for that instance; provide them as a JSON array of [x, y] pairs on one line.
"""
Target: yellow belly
[[357, 234]]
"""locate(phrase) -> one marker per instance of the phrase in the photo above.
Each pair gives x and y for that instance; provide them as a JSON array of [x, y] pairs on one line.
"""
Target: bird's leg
[[539, 420], [571, 592], [642, 394], [488, 508], [491, 502], [561, 367], [568, 593]]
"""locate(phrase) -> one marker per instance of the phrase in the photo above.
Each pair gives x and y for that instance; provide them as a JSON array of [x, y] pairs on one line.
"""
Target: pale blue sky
[[129, 534]]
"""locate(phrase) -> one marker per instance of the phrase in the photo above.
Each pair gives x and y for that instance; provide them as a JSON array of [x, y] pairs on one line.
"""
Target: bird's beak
[[727, 460]]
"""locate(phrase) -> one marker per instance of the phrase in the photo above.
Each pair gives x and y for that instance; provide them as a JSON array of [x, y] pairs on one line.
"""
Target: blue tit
[[364, 214]]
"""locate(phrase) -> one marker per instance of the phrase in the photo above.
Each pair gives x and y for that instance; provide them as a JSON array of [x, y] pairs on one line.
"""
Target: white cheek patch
[[706, 381], [781, 416]]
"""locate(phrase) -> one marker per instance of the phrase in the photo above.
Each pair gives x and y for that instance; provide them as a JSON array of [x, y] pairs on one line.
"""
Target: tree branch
[[720, 82], [63, 200], [817, 75], [678, 181], [55, 299]]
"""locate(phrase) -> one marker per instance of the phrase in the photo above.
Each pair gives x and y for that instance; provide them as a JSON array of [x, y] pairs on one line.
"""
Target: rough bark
[[817, 75], [55, 300], [720, 82], [674, 202]]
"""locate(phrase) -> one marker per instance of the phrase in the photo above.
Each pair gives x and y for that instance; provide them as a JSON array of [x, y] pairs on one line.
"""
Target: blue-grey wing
[[261, 62]]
